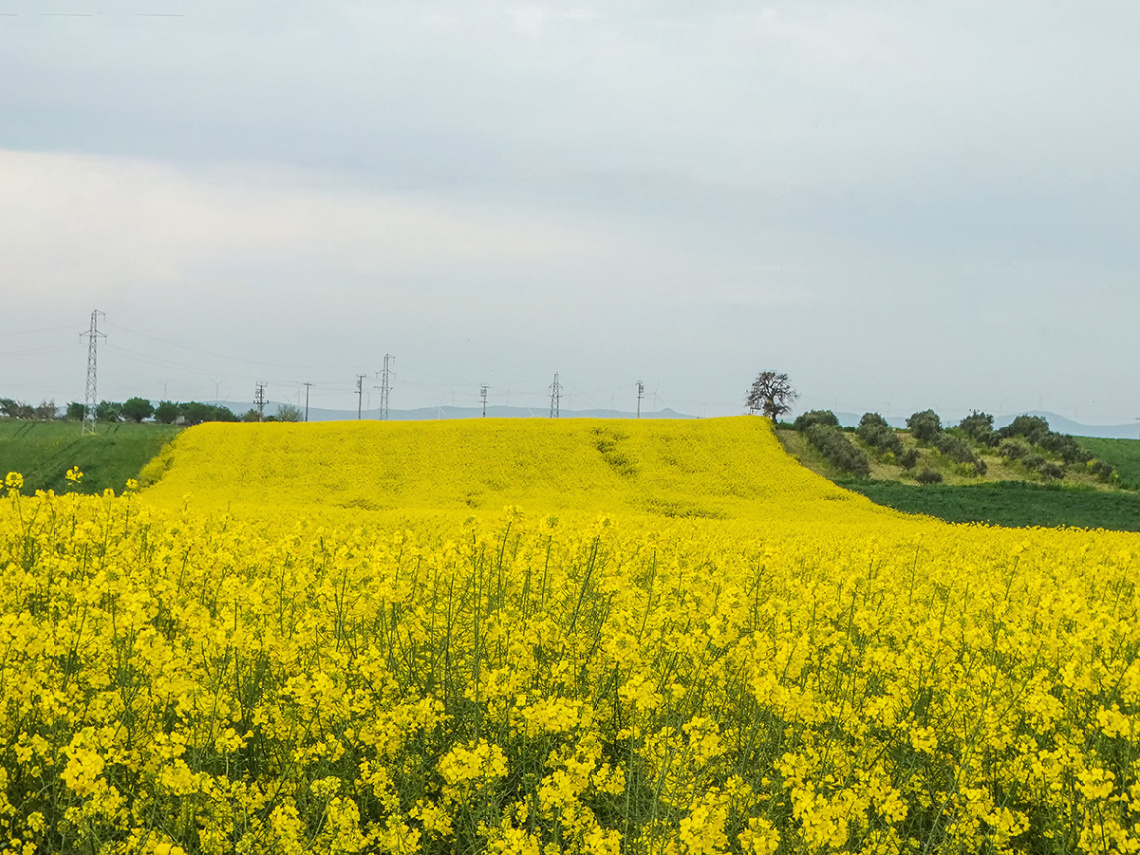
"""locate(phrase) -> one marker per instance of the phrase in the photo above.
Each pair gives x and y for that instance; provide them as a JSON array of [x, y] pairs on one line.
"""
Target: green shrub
[[928, 476], [925, 426], [979, 427], [1011, 450], [956, 449], [1065, 447], [874, 430], [815, 417], [1104, 472], [1051, 470], [909, 458], [838, 450], [1033, 428]]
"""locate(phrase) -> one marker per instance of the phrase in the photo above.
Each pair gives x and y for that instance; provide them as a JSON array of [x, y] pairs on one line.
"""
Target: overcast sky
[[902, 205]]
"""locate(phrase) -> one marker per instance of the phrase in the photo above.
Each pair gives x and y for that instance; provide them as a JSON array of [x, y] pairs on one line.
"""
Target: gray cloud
[[896, 203]]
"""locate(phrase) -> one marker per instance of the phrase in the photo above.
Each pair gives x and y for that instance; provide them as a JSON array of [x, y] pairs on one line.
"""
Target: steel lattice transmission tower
[[91, 395], [555, 396], [386, 385]]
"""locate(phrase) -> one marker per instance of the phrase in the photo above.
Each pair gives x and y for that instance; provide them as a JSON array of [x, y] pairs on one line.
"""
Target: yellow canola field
[[329, 639], [714, 469]]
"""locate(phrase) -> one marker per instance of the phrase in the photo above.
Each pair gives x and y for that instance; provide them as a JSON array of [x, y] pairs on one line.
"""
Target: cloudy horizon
[[901, 206]]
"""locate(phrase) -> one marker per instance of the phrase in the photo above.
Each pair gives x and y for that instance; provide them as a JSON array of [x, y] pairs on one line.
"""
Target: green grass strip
[[1014, 504], [43, 452]]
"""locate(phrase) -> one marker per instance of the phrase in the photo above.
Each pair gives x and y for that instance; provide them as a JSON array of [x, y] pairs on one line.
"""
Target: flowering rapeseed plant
[[703, 660]]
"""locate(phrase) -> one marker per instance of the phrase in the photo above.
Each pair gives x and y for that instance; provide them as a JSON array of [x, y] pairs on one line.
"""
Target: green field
[[1015, 504], [43, 452], [1124, 454]]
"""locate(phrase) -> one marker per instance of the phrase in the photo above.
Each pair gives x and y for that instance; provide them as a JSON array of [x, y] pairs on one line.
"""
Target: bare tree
[[771, 394], [289, 413]]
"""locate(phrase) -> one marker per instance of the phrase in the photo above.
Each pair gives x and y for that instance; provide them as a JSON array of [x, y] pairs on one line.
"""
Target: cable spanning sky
[[900, 205]]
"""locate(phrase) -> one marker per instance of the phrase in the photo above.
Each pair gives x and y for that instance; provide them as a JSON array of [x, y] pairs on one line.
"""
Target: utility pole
[[259, 400], [307, 385], [359, 394], [555, 396], [640, 395], [483, 394], [91, 395], [386, 385]]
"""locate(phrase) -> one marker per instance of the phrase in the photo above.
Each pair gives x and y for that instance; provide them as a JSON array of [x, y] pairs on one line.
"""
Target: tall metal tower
[[640, 395], [483, 394], [555, 396], [307, 387], [386, 385], [360, 394], [90, 399], [259, 400]]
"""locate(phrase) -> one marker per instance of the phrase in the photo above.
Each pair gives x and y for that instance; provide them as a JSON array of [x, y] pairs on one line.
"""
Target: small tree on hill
[[925, 426], [137, 409], [771, 394], [167, 412], [815, 417]]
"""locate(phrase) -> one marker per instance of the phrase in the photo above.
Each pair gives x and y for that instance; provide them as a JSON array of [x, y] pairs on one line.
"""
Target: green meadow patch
[[43, 452], [1016, 504]]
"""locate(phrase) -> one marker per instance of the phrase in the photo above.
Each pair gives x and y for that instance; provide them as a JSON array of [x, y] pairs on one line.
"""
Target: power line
[[555, 396], [91, 396], [224, 356], [386, 386]]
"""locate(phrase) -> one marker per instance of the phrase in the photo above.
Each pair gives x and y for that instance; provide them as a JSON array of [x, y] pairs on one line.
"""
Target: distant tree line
[[138, 410], [14, 409], [1027, 441]]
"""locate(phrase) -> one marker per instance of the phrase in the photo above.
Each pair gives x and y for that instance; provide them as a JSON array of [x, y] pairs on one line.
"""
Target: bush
[[1011, 450], [909, 458], [1104, 472], [980, 428], [1051, 470], [1033, 428], [874, 430], [1065, 447], [838, 450], [925, 426], [928, 476], [815, 417], [956, 449]]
